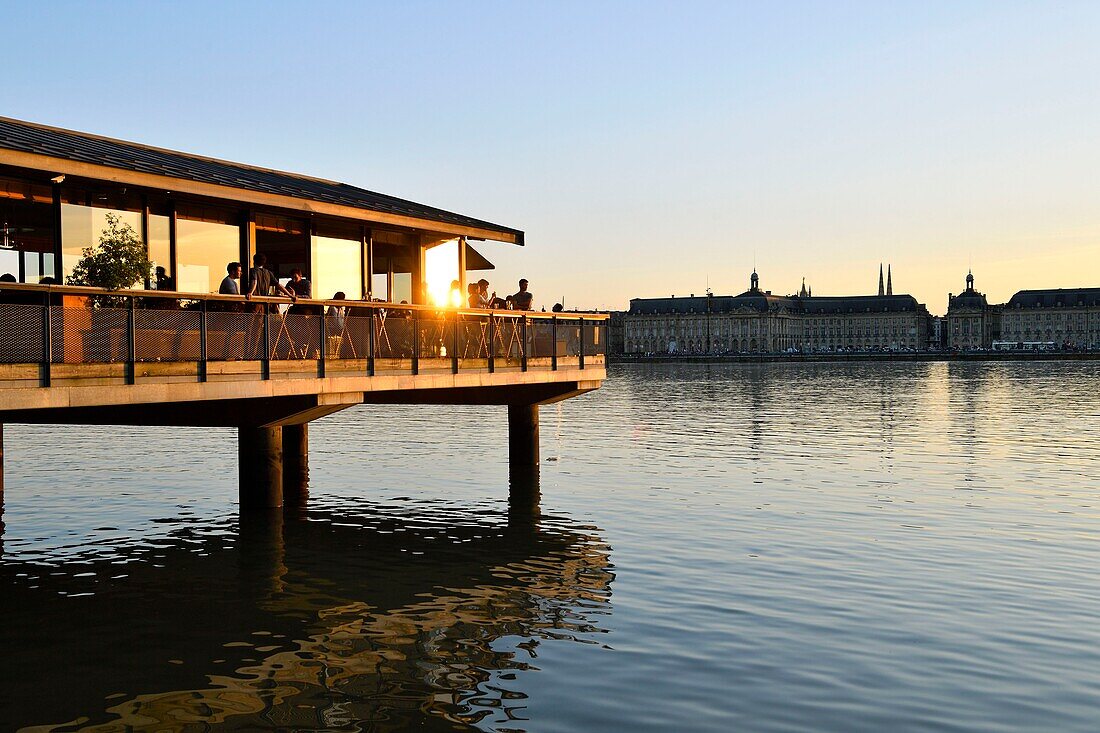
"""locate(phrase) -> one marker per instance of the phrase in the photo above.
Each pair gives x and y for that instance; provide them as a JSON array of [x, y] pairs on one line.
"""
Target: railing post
[[266, 362], [203, 331], [491, 345], [322, 333], [47, 344], [553, 343], [131, 342], [523, 349], [416, 342], [580, 355], [454, 346], [371, 342]]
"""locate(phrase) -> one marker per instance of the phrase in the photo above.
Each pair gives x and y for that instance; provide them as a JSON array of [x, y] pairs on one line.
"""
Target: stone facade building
[[972, 323], [1069, 318], [756, 321]]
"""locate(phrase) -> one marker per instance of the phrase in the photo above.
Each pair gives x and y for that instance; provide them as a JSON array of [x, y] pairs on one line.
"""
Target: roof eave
[[64, 166]]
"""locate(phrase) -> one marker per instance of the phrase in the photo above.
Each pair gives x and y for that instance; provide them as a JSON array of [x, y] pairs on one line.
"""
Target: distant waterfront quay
[[758, 322]]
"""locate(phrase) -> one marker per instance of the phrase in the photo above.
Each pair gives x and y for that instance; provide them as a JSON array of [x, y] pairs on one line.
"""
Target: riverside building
[[971, 321], [1052, 319], [756, 321]]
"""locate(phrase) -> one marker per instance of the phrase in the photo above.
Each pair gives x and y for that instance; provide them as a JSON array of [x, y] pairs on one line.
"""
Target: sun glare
[[440, 270]]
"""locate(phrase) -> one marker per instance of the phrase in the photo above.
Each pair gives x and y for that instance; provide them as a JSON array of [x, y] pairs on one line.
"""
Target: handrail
[[81, 290]]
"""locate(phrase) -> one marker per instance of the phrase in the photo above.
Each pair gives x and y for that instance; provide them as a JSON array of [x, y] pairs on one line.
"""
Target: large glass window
[[393, 260], [440, 270], [337, 262], [84, 218], [206, 241], [285, 241], [160, 243], [26, 230]]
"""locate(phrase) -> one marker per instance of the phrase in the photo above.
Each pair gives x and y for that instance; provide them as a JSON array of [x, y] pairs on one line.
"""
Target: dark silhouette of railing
[[50, 325]]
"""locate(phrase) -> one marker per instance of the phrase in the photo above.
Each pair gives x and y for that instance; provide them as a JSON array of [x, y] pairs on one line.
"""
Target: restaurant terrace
[[181, 354]]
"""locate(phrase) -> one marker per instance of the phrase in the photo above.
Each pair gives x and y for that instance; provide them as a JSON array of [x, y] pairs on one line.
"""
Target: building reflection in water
[[397, 615]]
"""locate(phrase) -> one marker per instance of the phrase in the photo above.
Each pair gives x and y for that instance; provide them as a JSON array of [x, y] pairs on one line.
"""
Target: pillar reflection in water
[[358, 613]]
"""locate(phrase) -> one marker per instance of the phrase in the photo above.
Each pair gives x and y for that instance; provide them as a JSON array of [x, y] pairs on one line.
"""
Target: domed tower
[[969, 281], [754, 281]]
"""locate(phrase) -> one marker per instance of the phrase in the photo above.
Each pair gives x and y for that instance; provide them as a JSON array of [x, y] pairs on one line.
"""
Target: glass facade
[[337, 265], [194, 244], [160, 243], [81, 227], [26, 230], [440, 270], [206, 241]]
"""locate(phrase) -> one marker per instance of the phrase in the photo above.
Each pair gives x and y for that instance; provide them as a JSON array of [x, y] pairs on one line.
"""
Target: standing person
[[521, 301], [261, 281]]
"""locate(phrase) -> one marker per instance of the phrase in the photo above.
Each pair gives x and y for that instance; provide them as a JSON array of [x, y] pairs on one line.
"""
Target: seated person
[[473, 297], [301, 287]]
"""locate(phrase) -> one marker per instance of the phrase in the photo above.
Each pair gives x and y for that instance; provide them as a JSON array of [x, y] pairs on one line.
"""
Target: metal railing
[[52, 325]]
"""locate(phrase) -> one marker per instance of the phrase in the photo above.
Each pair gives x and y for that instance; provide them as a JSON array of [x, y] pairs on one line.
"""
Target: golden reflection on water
[[376, 643]]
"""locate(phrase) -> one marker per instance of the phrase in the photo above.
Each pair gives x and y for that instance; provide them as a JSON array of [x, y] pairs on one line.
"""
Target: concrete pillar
[[260, 463], [523, 436], [295, 464]]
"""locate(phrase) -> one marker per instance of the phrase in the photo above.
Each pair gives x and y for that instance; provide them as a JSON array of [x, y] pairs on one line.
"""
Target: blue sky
[[645, 148]]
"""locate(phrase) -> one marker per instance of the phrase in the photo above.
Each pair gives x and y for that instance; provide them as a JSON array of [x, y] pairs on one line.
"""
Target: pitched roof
[[29, 137], [1065, 297]]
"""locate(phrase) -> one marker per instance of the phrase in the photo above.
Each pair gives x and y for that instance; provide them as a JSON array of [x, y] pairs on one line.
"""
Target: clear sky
[[645, 148]]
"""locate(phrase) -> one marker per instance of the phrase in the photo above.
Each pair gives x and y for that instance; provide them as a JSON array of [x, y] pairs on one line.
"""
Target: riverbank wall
[[902, 357]]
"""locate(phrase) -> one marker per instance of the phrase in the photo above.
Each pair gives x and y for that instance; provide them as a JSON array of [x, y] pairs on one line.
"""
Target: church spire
[[889, 282], [881, 289], [802, 293]]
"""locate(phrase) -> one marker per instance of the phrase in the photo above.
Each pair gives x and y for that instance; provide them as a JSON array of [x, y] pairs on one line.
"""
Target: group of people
[[262, 281], [478, 296]]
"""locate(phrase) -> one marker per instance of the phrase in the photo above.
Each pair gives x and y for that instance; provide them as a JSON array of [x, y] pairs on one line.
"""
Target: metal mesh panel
[[473, 338], [89, 335], [233, 336], [395, 335], [167, 335], [540, 338], [354, 337], [595, 341], [295, 336], [569, 338], [21, 334], [508, 340], [435, 337]]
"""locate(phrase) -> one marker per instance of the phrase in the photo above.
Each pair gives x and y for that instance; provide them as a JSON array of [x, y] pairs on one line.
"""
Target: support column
[[523, 436], [295, 464], [260, 462], [1, 466]]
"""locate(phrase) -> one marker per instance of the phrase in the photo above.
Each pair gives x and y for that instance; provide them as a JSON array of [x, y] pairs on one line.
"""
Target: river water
[[810, 547]]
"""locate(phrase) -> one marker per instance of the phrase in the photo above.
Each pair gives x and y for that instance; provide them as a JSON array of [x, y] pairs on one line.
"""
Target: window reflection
[[160, 243], [26, 230], [206, 241], [81, 227], [337, 265]]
